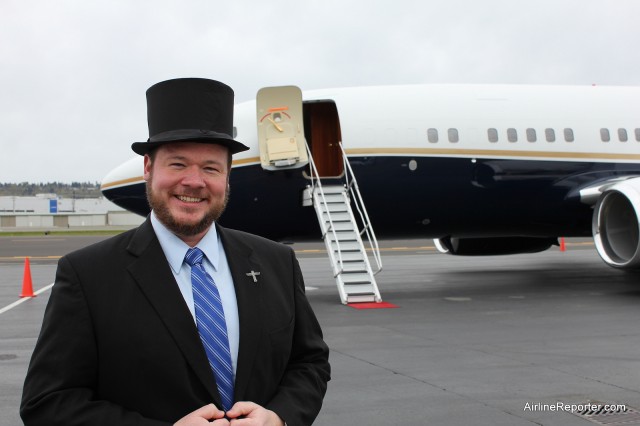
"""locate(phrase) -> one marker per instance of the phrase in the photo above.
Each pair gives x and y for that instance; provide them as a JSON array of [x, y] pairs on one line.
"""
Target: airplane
[[481, 169]]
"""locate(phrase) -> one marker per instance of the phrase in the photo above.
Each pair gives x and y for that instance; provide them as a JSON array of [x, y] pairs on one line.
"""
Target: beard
[[163, 213]]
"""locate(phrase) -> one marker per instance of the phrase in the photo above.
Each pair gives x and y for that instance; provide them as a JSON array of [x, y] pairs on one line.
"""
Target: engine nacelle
[[616, 225], [493, 246]]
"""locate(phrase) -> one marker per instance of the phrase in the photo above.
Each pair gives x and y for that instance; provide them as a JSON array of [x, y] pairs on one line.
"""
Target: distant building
[[50, 203], [49, 211]]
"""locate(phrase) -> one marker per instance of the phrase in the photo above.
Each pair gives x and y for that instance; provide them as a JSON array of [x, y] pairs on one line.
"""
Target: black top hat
[[189, 109]]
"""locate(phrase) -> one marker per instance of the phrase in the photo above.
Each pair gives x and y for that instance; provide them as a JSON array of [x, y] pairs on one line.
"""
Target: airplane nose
[[124, 186], [126, 173]]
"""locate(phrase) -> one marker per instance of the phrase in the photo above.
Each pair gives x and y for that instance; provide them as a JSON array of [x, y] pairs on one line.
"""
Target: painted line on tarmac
[[24, 299], [30, 257], [382, 249]]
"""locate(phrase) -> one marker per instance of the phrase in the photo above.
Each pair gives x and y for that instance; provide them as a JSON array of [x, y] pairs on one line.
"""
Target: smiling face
[[187, 186]]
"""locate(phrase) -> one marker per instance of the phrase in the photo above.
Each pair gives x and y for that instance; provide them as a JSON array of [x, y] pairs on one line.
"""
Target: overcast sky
[[73, 73]]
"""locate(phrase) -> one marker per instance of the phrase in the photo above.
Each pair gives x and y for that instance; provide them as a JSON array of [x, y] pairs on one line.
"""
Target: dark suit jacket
[[118, 345]]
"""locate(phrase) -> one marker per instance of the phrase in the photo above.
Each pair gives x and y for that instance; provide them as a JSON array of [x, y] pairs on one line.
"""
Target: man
[[180, 321]]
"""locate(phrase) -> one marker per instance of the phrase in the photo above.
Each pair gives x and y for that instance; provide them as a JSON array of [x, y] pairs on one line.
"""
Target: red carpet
[[372, 305]]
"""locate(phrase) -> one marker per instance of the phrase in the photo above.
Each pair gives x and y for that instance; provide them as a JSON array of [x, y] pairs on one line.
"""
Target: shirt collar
[[175, 249]]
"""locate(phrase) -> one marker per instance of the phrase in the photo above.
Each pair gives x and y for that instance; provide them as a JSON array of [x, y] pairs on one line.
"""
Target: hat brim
[[233, 146]]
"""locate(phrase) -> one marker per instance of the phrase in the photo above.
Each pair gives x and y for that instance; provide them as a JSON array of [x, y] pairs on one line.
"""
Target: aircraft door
[[281, 128], [322, 131]]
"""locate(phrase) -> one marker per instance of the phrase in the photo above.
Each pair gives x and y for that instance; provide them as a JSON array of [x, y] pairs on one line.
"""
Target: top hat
[[189, 109]]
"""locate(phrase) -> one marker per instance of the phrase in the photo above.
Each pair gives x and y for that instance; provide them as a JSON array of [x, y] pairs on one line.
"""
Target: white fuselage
[[444, 161]]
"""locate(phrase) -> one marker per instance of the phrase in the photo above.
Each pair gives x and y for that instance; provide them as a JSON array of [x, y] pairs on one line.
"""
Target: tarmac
[[510, 340]]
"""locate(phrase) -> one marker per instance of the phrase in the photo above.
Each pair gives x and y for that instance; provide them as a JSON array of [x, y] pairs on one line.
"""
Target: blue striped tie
[[211, 325]]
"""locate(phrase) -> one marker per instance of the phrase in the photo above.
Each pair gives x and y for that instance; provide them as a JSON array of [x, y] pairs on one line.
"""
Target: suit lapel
[[155, 279], [241, 262]]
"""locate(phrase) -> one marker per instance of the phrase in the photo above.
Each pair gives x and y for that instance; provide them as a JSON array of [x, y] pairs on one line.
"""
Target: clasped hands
[[241, 414]]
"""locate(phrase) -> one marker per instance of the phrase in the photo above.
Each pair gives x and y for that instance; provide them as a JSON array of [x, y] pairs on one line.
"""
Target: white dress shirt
[[215, 263]]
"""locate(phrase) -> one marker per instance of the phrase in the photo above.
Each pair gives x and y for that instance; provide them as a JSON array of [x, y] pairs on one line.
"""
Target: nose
[[193, 177]]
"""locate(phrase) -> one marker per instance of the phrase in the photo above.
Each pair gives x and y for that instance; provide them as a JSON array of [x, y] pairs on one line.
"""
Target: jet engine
[[493, 246], [615, 225]]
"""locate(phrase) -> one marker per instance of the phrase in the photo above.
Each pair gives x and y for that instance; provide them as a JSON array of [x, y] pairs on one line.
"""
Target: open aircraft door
[[281, 128]]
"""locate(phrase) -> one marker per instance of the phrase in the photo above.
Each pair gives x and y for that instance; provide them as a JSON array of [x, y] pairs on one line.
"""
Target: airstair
[[343, 236], [343, 218]]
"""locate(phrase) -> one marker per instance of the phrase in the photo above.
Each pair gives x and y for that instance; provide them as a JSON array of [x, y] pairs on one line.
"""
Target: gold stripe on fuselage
[[494, 153]]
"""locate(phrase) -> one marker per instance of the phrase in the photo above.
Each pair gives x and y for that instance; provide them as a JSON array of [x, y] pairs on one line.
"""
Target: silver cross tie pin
[[253, 274]]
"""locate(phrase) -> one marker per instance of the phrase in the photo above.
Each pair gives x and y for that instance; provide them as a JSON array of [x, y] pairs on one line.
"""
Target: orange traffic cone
[[563, 247], [27, 284]]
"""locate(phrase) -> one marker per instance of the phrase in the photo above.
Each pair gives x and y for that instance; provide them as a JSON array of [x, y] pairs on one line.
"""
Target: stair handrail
[[354, 189], [316, 183]]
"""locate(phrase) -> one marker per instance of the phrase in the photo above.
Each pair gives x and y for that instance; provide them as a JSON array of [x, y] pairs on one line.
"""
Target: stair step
[[341, 226], [358, 266], [341, 230], [334, 208], [331, 198], [331, 189], [337, 217], [355, 278], [350, 256], [355, 289], [345, 235], [352, 246], [361, 298]]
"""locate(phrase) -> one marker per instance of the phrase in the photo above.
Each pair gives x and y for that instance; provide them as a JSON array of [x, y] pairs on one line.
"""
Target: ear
[[147, 167]]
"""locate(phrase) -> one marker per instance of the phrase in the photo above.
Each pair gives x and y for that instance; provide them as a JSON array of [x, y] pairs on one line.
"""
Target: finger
[[242, 408], [209, 411]]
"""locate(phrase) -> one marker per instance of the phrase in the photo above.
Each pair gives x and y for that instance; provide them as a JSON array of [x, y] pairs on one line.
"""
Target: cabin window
[[622, 135], [604, 135], [512, 135], [492, 134], [531, 135], [453, 135], [637, 132], [432, 135], [568, 135], [550, 135]]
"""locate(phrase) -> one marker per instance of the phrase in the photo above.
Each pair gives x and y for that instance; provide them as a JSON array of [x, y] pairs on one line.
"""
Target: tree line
[[63, 190]]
